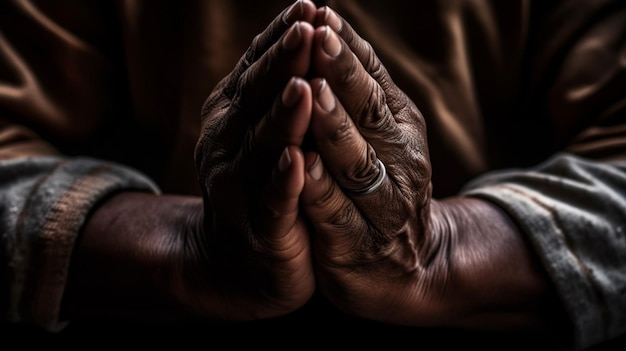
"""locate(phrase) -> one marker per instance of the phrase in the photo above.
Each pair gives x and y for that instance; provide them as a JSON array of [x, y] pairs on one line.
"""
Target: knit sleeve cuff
[[571, 210], [55, 199]]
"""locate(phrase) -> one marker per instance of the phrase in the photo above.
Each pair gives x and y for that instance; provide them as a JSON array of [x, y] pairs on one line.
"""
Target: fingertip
[[290, 167], [291, 112], [277, 210], [328, 53], [325, 16], [331, 43], [316, 184], [311, 159], [294, 13], [321, 198], [301, 10], [315, 83], [284, 162], [325, 97], [298, 33], [292, 92], [293, 51], [290, 157], [293, 37], [316, 169]]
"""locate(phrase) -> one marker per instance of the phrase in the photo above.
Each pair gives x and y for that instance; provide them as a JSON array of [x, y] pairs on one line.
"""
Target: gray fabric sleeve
[[43, 204], [574, 213]]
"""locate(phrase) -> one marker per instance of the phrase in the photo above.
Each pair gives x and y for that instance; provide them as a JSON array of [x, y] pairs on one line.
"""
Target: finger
[[289, 118], [276, 217], [301, 10], [365, 54], [347, 155], [250, 166], [325, 16], [285, 124], [263, 80], [257, 89], [363, 98], [333, 216]]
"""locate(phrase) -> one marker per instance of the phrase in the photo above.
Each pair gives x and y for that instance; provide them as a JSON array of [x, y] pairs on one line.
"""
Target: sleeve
[[57, 86], [573, 210], [572, 206], [43, 204]]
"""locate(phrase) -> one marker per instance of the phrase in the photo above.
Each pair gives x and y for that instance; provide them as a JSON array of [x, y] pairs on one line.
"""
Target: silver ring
[[374, 184]]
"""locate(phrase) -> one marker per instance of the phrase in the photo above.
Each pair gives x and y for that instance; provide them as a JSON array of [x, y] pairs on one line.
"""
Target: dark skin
[[398, 255], [270, 209], [232, 255]]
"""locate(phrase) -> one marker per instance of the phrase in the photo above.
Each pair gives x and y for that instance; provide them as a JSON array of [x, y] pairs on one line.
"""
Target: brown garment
[[501, 83]]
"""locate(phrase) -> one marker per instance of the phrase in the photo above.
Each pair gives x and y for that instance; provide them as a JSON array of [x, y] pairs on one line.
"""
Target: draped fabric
[[524, 100]]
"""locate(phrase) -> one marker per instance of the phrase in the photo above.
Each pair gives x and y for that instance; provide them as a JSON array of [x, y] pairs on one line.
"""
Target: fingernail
[[291, 94], [331, 19], [331, 44], [325, 97], [292, 38], [316, 169], [295, 12], [285, 161]]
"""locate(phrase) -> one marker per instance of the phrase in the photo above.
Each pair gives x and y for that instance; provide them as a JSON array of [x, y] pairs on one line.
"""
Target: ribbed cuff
[[46, 229]]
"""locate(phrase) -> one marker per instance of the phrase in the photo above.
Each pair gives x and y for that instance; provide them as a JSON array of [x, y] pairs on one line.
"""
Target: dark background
[[316, 326]]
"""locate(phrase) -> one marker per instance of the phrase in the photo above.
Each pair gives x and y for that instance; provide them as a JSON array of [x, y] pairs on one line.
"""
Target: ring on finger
[[374, 184]]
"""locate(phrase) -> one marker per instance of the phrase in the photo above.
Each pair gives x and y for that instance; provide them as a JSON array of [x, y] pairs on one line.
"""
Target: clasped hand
[[288, 139]]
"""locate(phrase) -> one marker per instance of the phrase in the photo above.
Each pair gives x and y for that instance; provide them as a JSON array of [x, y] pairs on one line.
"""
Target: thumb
[[332, 214]]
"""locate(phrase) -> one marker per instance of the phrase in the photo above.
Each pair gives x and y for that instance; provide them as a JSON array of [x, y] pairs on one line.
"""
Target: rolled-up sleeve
[[59, 89], [572, 211], [44, 202]]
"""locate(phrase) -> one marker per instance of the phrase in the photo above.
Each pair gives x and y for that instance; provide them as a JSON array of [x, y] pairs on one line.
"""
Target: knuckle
[[245, 85], [402, 106], [348, 35], [349, 76], [342, 217], [370, 61], [364, 171], [250, 55], [249, 142], [335, 213], [345, 133], [373, 108], [219, 97], [244, 63], [240, 94], [370, 100]]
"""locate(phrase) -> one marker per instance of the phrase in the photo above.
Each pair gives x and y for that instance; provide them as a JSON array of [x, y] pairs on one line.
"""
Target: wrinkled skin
[[380, 239], [246, 249], [257, 243], [397, 255], [242, 251]]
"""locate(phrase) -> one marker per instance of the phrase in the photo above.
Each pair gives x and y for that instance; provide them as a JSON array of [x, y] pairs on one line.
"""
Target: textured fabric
[[43, 203], [501, 84], [572, 210]]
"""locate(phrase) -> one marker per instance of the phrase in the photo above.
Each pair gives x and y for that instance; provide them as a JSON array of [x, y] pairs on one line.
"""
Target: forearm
[[45, 203], [124, 263], [574, 225], [495, 277]]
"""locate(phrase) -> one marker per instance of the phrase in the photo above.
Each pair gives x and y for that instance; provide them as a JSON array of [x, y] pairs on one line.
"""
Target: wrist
[[495, 279], [126, 256]]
